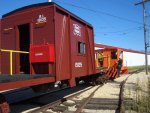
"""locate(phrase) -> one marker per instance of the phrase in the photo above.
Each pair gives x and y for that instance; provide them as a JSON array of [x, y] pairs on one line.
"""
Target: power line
[[125, 30], [101, 12], [121, 32]]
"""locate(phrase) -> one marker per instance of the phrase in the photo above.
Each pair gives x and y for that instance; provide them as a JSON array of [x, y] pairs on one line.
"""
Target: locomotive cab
[[108, 60]]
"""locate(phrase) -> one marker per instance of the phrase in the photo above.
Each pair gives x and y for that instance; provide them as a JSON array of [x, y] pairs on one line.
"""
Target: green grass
[[142, 99], [133, 68]]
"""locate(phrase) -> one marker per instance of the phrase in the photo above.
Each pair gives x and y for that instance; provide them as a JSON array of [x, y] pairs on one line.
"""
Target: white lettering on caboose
[[76, 30], [41, 18], [38, 54], [78, 64]]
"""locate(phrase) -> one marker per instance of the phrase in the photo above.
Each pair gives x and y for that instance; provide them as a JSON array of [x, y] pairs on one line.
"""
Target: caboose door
[[23, 45]]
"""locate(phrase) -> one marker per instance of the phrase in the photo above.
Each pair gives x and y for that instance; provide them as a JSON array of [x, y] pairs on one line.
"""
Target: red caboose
[[44, 43], [0, 46]]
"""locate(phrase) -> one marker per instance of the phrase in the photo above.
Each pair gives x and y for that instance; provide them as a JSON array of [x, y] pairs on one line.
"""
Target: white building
[[131, 57]]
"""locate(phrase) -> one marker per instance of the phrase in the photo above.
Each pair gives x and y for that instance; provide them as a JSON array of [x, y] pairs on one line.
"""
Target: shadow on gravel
[[40, 101]]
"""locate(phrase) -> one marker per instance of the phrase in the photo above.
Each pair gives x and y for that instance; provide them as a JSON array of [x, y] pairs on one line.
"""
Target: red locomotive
[[42, 44]]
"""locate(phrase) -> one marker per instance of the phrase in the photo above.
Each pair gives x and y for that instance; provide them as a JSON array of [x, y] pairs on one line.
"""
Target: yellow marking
[[108, 61], [11, 55], [11, 66], [14, 51], [40, 22]]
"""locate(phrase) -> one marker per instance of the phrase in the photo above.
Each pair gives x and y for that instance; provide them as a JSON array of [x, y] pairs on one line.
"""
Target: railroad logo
[[76, 30], [78, 64], [41, 18]]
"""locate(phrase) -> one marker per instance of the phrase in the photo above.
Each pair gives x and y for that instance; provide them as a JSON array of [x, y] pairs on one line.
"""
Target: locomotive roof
[[44, 4], [114, 47]]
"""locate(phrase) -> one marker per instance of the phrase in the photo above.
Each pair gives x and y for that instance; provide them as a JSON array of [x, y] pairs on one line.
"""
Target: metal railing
[[11, 56], [108, 60]]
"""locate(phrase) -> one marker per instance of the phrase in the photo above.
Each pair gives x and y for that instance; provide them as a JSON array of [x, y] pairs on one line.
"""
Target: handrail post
[[108, 61], [11, 66], [11, 57]]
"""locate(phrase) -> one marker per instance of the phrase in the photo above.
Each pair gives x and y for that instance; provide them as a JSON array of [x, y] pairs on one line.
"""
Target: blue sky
[[116, 22]]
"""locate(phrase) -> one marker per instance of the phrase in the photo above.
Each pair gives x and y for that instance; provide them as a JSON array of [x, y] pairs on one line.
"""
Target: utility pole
[[145, 35]]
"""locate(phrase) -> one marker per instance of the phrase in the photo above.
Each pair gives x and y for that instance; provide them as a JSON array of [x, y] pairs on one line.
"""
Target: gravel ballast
[[111, 90]]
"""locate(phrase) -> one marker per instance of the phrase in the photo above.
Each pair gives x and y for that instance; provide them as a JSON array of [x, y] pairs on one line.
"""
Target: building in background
[[131, 57]]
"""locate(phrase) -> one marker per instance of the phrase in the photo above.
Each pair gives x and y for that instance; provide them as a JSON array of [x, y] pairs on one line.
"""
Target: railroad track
[[122, 100], [116, 104], [62, 105], [43, 99], [73, 104], [65, 104], [15, 96]]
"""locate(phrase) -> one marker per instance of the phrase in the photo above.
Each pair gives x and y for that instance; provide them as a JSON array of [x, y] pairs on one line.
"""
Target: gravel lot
[[112, 89]]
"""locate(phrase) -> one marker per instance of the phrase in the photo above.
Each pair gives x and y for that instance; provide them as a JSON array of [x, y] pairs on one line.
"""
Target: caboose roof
[[45, 4]]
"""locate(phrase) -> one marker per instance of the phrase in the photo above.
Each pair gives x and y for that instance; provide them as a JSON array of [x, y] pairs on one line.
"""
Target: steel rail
[[55, 103], [121, 95], [86, 101]]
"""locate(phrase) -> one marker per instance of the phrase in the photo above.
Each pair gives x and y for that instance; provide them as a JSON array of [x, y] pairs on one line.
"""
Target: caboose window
[[81, 48], [113, 55]]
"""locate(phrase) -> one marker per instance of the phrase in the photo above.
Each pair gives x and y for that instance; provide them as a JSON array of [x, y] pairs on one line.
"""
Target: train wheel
[[64, 84], [4, 106]]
